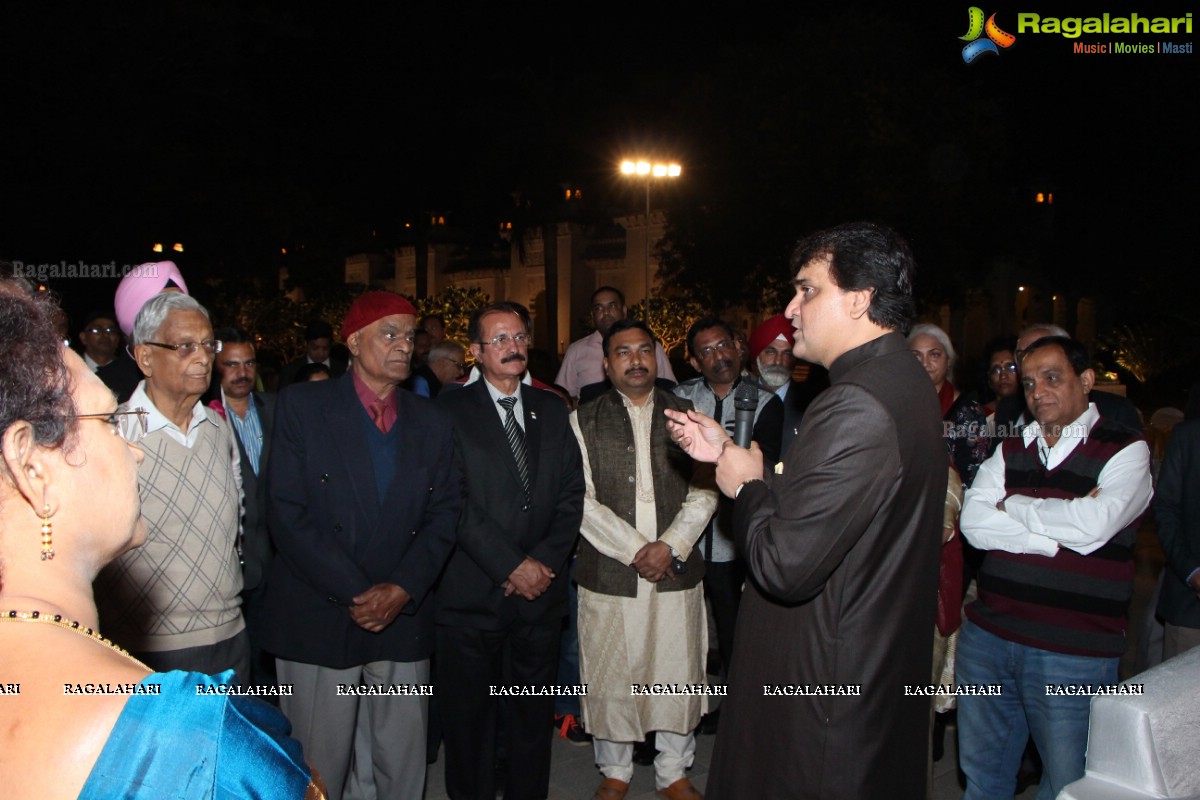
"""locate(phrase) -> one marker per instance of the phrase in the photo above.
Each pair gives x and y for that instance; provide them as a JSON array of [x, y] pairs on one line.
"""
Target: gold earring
[[47, 533]]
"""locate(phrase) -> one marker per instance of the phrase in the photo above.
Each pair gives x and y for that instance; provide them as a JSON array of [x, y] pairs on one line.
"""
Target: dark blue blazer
[[335, 539], [498, 527]]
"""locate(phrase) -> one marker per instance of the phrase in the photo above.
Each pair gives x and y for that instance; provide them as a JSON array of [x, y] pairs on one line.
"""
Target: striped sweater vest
[[1068, 603]]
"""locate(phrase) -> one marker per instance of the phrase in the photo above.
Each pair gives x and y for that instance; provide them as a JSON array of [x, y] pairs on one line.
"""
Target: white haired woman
[[83, 717], [965, 430]]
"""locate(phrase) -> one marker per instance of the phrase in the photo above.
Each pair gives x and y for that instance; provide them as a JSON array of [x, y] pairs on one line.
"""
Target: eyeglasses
[[132, 426], [1008, 366], [96, 330], [459, 365], [185, 349], [520, 340], [719, 347]]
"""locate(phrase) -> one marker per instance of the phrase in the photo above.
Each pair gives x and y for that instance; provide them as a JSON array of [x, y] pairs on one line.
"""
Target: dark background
[[245, 129]]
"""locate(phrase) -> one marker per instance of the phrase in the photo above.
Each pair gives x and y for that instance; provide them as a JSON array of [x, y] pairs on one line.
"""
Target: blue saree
[[189, 742]]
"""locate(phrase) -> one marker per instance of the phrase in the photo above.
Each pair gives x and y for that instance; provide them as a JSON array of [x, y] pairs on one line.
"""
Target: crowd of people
[[401, 557]]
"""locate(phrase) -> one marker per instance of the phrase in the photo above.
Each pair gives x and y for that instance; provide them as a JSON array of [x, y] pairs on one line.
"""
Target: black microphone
[[745, 402]]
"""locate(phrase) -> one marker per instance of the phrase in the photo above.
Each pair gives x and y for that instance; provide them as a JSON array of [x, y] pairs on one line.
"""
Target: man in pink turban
[[143, 282]]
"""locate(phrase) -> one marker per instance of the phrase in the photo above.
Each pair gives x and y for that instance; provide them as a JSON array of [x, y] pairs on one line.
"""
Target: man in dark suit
[[251, 415], [363, 499], [318, 346], [504, 593]]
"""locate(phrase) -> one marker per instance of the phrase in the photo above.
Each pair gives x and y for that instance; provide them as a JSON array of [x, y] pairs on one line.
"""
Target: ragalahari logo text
[[976, 28]]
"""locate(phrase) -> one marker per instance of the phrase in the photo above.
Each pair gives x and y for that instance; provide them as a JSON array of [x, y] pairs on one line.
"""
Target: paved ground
[[574, 775]]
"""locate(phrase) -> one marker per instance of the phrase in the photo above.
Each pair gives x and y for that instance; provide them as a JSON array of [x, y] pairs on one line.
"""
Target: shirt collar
[[630, 404], [1072, 434], [155, 419], [366, 396], [733, 388], [251, 407], [496, 394], [476, 375]]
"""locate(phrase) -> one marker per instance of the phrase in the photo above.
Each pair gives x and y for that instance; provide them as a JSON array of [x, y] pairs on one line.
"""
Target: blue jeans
[[992, 730], [568, 648]]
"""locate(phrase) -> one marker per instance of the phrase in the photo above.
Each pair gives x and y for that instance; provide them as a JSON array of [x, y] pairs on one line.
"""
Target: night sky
[[245, 129]]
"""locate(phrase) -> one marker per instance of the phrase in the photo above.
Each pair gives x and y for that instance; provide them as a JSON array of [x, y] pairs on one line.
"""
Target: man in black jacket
[[504, 594]]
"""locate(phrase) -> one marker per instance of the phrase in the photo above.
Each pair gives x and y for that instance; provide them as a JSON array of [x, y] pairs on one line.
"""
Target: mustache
[[513, 357], [632, 370]]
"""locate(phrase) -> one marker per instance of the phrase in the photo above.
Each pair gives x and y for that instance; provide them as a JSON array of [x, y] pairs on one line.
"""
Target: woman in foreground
[[81, 717]]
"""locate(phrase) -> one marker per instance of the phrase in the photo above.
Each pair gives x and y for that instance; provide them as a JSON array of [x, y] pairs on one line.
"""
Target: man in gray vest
[[175, 601], [646, 505], [712, 350]]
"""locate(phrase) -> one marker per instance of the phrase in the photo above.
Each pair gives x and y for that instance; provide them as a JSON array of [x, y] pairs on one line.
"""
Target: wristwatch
[[678, 566]]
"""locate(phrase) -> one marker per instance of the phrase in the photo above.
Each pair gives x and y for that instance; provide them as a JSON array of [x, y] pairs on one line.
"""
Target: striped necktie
[[516, 440]]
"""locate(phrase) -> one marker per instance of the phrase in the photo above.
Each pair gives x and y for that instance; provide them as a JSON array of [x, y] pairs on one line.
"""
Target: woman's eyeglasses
[[131, 425], [998, 369]]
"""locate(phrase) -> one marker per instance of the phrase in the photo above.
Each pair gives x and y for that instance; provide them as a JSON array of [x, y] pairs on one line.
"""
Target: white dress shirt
[[1040, 525]]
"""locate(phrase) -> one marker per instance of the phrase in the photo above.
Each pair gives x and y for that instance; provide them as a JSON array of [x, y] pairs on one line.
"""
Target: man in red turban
[[771, 346]]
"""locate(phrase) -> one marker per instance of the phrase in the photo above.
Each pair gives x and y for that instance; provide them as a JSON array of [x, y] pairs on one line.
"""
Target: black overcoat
[[843, 549]]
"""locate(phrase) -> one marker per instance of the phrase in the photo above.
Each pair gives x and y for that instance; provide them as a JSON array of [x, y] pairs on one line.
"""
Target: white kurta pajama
[[653, 638]]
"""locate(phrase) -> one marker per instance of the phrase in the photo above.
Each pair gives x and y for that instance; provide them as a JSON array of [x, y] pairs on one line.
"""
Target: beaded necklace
[[67, 624]]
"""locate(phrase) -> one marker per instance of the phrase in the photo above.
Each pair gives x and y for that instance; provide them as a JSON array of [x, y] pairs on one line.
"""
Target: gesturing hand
[[701, 437]]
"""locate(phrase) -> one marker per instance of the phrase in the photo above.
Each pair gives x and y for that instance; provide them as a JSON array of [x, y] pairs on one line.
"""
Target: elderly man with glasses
[[444, 364], [175, 602]]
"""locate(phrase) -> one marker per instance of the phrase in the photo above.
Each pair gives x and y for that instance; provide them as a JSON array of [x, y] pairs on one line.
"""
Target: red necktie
[[377, 408]]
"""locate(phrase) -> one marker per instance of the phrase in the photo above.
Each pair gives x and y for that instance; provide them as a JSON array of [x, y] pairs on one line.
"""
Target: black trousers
[[723, 587], [471, 661]]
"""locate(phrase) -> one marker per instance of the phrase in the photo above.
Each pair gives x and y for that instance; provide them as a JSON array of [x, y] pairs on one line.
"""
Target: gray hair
[[154, 314], [926, 329], [1050, 328], [446, 349]]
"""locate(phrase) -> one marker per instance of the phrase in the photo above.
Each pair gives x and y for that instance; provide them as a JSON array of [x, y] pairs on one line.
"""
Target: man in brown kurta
[[841, 545]]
